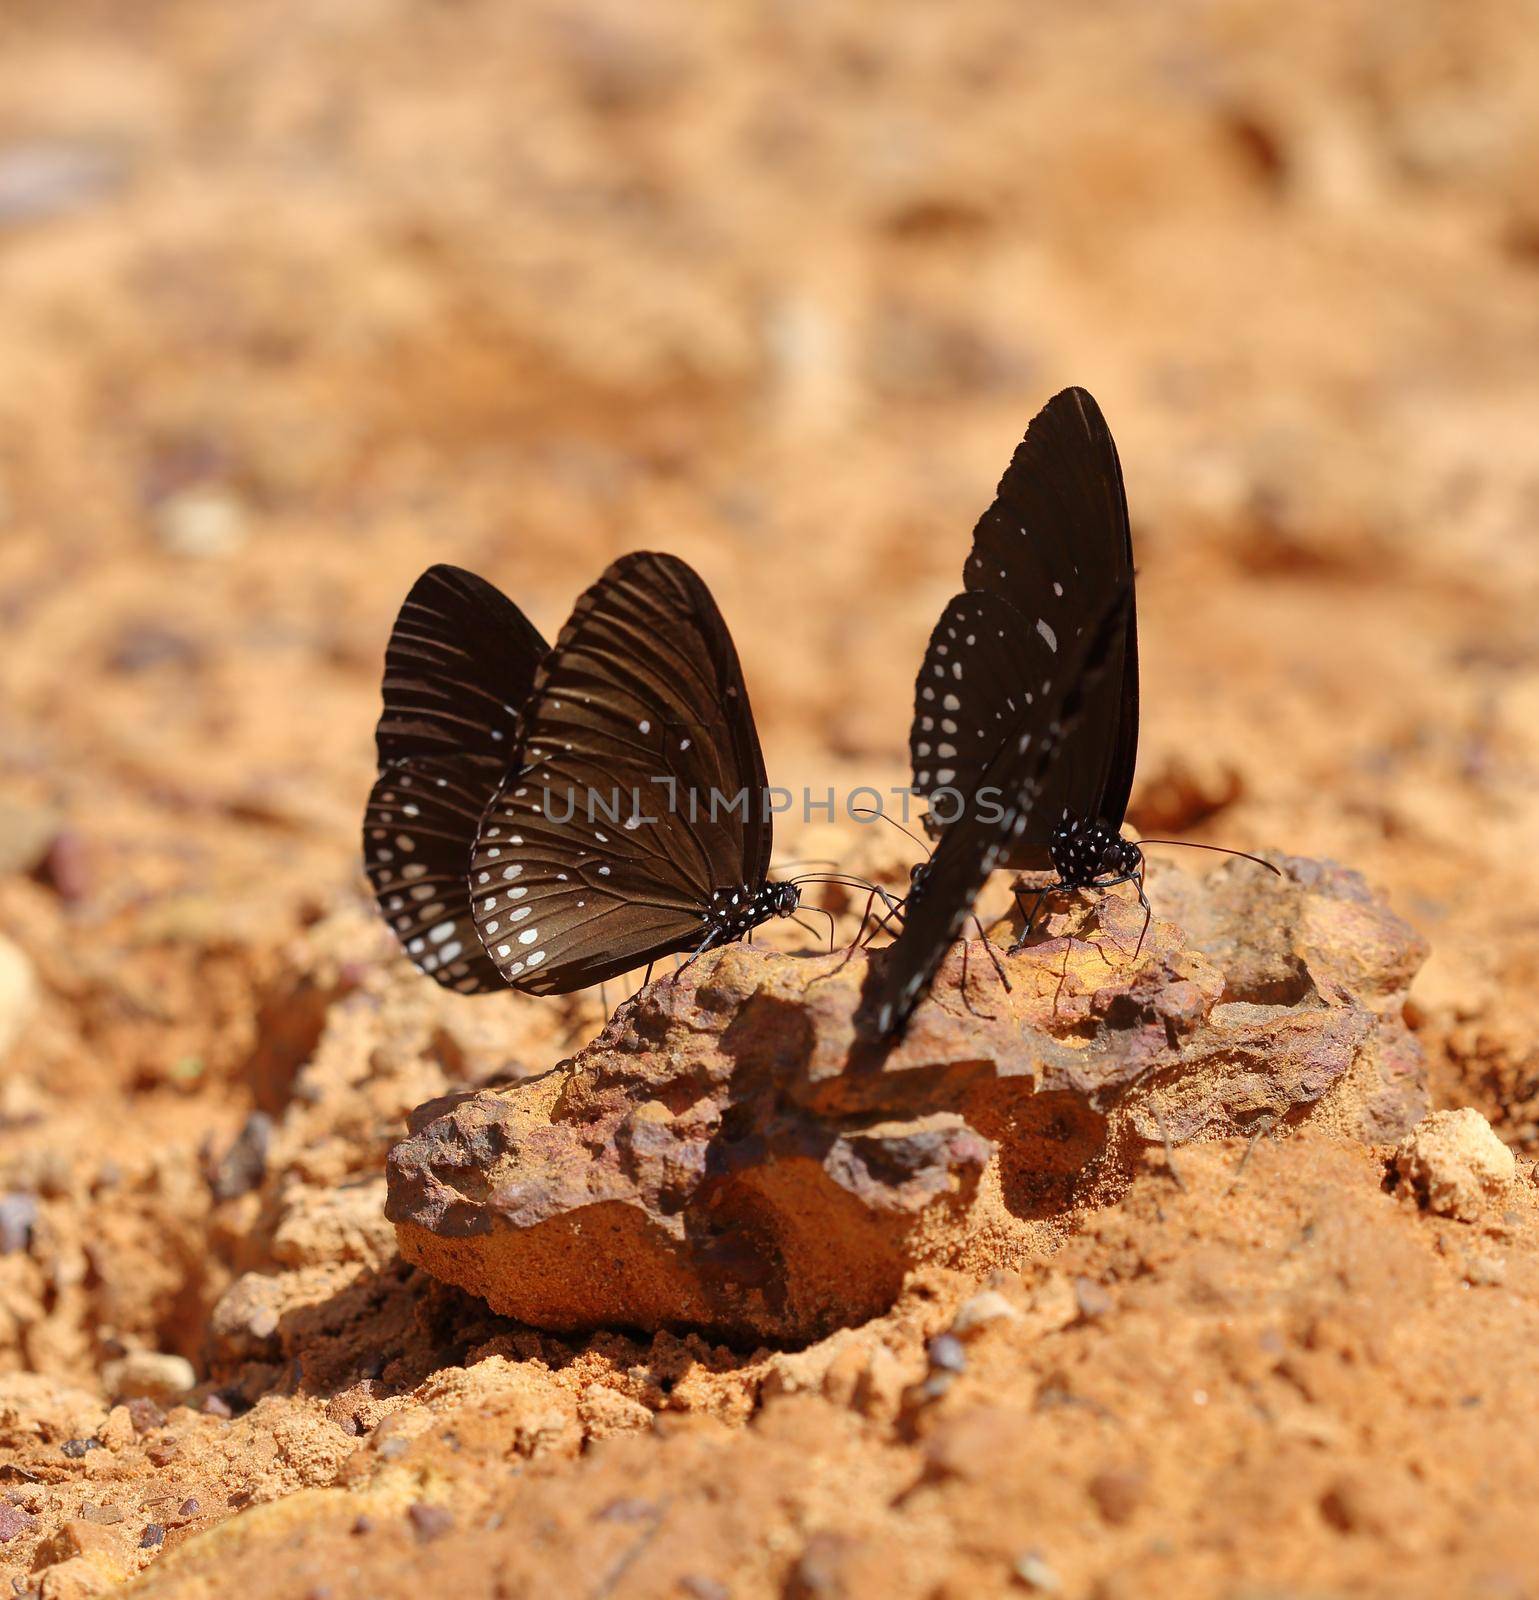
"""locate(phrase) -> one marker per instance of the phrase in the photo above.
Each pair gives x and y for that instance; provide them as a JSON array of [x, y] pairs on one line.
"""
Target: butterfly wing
[[603, 847], [459, 665], [983, 673], [1053, 545], [999, 811], [458, 668]]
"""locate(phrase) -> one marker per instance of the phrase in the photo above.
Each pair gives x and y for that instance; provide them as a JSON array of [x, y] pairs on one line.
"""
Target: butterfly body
[[734, 913], [1085, 853]]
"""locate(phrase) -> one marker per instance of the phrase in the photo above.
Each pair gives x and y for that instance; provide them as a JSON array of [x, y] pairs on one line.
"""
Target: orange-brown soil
[[295, 299]]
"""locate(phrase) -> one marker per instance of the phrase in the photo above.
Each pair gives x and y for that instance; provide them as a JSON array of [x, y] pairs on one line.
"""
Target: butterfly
[[1028, 694], [632, 823], [1048, 556], [459, 665]]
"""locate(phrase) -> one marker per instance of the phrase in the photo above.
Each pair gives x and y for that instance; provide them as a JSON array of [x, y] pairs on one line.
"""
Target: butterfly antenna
[[813, 931], [881, 816], [847, 879], [1223, 850]]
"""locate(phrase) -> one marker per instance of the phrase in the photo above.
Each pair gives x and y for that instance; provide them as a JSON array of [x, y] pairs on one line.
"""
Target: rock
[[734, 1154], [202, 520], [14, 1521], [243, 1166], [1036, 1574], [983, 1308], [18, 994], [77, 1578], [18, 1217], [344, 1223], [244, 1324], [1455, 1163], [149, 1375]]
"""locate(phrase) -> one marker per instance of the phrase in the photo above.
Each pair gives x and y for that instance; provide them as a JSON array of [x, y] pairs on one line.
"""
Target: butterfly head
[[781, 899], [1085, 853]]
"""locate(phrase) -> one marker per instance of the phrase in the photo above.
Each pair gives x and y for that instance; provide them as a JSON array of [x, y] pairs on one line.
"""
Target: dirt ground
[[298, 298]]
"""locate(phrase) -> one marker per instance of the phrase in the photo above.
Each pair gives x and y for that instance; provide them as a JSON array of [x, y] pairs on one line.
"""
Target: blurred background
[[298, 296]]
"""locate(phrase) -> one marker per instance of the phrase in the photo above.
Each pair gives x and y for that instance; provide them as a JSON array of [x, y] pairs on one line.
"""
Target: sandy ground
[[295, 299]]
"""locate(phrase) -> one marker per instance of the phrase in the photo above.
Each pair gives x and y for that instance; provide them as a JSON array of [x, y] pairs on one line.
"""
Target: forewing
[[459, 665], [458, 668], [639, 790], [1054, 544], [979, 841]]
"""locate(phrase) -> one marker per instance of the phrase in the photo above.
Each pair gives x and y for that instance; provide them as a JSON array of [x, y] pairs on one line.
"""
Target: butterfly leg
[[854, 943], [993, 955], [1028, 921], [1063, 976], [1143, 900], [962, 983], [689, 961], [894, 908], [813, 931]]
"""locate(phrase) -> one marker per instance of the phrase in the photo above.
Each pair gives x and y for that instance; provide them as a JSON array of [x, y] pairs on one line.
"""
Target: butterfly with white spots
[[633, 823], [1025, 728]]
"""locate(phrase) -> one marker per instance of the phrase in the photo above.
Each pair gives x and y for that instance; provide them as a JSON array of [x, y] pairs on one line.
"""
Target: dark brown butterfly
[[633, 822], [1025, 730], [1048, 556]]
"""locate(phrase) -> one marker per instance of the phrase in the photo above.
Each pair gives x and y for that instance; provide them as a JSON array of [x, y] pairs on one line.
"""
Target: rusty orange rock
[[735, 1153]]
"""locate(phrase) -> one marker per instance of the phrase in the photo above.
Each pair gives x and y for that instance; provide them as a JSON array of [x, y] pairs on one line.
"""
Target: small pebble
[[628, 1511], [245, 1163], [947, 1355], [154, 1534], [75, 1448], [1118, 1493], [149, 1375], [145, 1415], [188, 1508], [1091, 1298], [428, 1521], [1036, 1574], [981, 1309], [66, 867], [1455, 1164], [18, 1217], [202, 521], [14, 1521]]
